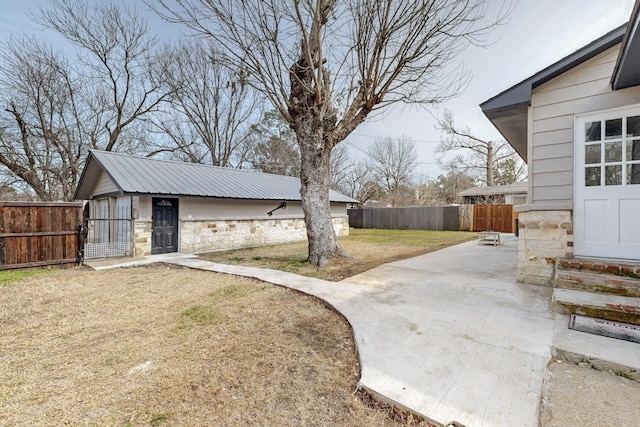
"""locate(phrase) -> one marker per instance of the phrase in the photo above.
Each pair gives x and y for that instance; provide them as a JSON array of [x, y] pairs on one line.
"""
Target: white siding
[[104, 185], [220, 209], [554, 105]]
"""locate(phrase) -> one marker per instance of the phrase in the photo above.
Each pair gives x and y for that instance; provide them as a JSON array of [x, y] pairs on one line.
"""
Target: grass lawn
[[164, 346], [367, 249]]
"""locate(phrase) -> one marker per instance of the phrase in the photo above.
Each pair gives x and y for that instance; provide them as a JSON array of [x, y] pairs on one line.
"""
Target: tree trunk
[[489, 163], [314, 180]]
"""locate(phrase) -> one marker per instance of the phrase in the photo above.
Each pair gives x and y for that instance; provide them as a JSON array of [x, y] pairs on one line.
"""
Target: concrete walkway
[[448, 335]]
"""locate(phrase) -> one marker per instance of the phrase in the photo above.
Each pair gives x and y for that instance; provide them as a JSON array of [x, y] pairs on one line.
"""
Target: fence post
[[79, 244]]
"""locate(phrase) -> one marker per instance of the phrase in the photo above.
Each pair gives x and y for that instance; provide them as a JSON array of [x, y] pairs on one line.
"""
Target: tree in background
[[392, 163], [209, 110], [274, 147], [358, 183], [341, 164], [327, 65], [43, 123], [491, 162], [55, 109], [115, 50], [445, 189]]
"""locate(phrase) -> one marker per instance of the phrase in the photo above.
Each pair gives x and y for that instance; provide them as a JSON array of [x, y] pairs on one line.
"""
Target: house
[[140, 206], [577, 125], [512, 194]]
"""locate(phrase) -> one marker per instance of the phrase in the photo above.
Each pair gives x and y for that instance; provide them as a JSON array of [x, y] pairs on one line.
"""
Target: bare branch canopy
[[327, 65]]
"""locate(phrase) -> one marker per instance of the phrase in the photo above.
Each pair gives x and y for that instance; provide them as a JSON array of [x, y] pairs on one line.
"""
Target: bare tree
[[55, 109], [359, 183], [210, 108], [341, 164], [487, 160], [392, 163], [115, 53], [327, 65], [274, 148], [42, 125]]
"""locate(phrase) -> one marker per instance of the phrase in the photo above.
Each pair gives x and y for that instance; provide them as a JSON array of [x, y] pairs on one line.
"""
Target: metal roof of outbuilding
[[515, 188], [143, 175]]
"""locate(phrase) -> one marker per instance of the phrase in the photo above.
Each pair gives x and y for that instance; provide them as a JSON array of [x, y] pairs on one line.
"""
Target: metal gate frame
[[107, 238]]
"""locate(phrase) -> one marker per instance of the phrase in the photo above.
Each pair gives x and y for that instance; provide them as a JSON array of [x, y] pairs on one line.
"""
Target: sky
[[537, 34]]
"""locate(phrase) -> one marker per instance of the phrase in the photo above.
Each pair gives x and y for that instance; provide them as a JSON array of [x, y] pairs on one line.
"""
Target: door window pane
[[592, 154], [613, 129], [633, 150], [592, 131], [592, 176], [613, 152], [633, 126], [613, 175], [633, 174]]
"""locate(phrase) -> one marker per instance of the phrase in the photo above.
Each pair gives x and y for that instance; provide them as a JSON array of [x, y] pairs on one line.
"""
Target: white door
[[607, 185]]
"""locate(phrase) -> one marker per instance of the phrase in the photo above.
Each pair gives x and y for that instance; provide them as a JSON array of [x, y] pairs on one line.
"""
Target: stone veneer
[[544, 236], [210, 235], [142, 237]]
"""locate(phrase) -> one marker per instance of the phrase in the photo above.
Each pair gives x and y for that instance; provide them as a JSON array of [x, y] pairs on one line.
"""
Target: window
[[612, 152]]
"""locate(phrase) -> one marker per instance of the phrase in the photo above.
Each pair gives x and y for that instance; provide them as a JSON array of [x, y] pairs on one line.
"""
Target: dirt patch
[[166, 346], [582, 396], [367, 249]]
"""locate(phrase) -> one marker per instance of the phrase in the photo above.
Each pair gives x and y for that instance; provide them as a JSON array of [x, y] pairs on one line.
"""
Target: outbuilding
[[140, 206]]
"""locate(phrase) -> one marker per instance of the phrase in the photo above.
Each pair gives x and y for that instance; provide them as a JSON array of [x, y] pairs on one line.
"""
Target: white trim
[[606, 112]]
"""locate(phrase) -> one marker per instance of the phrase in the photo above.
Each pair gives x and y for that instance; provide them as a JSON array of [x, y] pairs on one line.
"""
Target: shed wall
[[223, 209], [214, 224], [554, 105], [104, 185]]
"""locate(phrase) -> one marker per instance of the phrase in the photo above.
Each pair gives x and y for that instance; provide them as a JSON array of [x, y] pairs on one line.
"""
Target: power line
[[427, 141]]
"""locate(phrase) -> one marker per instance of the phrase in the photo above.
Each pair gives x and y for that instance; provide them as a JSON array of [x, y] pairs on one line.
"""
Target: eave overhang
[[627, 71], [508, 110]]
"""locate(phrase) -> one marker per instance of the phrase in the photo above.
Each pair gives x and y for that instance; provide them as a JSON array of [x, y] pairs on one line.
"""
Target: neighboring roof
[[515, 188], [508, 110], [143, 175]]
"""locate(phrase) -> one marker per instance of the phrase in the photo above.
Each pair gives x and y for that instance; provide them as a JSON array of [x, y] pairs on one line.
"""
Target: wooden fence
[[417, 218], [39, 234], [447, 218], [494, 217]]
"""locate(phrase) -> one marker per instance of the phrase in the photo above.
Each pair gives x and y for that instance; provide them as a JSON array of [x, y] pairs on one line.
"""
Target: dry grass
[[162, 346], [367, 249]]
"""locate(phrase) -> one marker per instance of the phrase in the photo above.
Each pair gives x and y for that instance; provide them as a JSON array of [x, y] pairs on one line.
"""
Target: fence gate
[[493, 217], [36, 234], [105, 238]]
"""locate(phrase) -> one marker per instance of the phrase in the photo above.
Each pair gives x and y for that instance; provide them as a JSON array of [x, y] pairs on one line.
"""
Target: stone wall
[[543, 237], [209, 235]]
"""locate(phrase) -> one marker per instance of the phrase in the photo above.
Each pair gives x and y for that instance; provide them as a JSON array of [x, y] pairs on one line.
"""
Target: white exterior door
[[607, 185]]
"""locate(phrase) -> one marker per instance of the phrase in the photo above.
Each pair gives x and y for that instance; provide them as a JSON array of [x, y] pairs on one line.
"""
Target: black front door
[[165, 226]]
